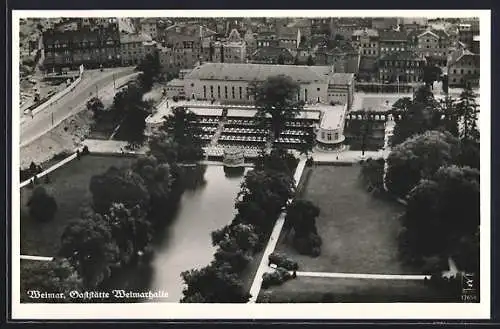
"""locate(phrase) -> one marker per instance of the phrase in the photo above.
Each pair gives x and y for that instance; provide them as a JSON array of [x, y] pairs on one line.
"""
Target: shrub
[[276, 278], [282, 261], [42, 205], [308, 245], [85, 150]]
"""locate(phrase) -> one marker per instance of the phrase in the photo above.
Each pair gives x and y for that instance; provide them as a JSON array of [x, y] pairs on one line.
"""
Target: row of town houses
[[375, 50]]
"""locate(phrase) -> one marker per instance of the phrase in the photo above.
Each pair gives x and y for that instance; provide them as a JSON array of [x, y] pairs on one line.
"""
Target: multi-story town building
[[322, 25], [367, 41], [184, 46], [233, 82], [133, 48], [149, 26], [91, 42], [391, 41], [434, 45], [401, 66], [344, 59], [463, 67], [231, 50]]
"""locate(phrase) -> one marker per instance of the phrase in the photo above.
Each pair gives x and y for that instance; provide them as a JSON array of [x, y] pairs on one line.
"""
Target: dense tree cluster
[[301, 215], [434, 166], [264, 194], [56, 276], [179, 138]]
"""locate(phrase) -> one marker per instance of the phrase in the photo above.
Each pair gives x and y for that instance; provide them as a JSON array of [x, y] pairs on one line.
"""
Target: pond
[[186, 243]]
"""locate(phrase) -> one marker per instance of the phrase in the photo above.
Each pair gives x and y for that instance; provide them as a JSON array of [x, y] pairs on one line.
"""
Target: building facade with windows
[[330, 133], [133, 48], [233, 83], [463, 67], [367, 41], [402, 66], [391, 41], [75, 42], [434, 46]]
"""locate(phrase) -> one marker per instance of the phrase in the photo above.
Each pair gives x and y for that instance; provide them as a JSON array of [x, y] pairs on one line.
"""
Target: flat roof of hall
[[333, 117]]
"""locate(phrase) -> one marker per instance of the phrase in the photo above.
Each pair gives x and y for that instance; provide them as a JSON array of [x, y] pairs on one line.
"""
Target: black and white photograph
[[167, 162]]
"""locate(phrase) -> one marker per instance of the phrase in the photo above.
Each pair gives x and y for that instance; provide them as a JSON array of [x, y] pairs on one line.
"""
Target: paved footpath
[[271, 245], [363, 276]]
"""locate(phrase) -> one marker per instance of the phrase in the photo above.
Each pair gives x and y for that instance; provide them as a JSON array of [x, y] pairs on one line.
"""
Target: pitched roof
[[341, 78], [234, 36], [441, 34], [271, 52], [457, 55], [133, 38], [393, 36], [258, 72]]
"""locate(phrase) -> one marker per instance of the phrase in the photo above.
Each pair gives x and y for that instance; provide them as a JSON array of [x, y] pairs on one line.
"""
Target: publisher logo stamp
[[469, 288]]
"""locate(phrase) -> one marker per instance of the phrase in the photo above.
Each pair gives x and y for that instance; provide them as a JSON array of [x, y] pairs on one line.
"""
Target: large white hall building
[[230, 82]]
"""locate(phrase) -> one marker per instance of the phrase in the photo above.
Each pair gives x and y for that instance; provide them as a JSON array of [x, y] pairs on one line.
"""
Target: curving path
[[73, 102]]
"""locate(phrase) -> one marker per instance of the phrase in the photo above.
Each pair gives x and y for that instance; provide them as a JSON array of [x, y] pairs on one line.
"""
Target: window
[[336, 136], [317, 89], [225, 92], [232, 92], [323, 135], [305, 95], [329, 136], [205, 92], [212, 91], [240, 92], [218, 91]]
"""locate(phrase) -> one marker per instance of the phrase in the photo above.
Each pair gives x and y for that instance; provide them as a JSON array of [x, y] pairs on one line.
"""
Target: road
[[75, 101]]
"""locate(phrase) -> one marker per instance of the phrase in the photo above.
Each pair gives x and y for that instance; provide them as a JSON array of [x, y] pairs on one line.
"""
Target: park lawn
[[336, 290], [359, 231], [70, 187]]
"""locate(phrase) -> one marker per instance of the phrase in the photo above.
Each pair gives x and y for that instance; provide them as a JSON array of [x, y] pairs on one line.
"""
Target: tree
[[372, 173], [243, 235], [419, 157], [130, 230], [468, 110], [416, 117], [96, 106], [183, 129], [151, 69], [301, 214], [277, 97], [442, 216], [89, 246], [279, 159], [163, 147], [449, 115], [262, 197], [129, 107], [158, 180], [431, 74], [53, 276], [42, 205], [215, 283], [310, 61], [118, 186]]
